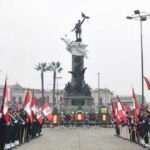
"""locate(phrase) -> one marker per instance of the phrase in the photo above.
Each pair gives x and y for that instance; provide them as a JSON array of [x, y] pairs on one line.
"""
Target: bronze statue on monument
[[77, 92], [78, 29]]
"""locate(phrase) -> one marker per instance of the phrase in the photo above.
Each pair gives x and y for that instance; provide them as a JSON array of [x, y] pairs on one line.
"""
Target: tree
[[56, 68], [42, 67]]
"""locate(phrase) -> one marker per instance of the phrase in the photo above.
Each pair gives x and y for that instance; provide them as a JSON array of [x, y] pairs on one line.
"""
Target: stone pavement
[[79, 139]]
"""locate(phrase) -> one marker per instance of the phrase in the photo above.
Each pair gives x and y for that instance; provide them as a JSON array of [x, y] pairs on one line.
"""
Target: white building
[[104, 94]]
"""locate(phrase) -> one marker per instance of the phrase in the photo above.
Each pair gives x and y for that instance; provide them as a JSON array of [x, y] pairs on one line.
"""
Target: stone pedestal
[[71, 103]]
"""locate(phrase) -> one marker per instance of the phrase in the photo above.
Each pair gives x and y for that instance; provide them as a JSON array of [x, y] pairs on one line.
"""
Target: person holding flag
[[34, 121], [29, 120], [6, 117], [39, 119]]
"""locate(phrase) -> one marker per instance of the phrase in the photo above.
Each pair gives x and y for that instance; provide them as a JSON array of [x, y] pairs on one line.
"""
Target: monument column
[[77, 92]]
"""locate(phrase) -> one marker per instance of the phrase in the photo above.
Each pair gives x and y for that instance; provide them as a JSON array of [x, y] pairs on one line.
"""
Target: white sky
[[30, 32]]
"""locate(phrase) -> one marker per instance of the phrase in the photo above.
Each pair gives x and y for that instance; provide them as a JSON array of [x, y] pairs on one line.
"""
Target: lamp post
[[98, 88], [141, 16], [57, 85]]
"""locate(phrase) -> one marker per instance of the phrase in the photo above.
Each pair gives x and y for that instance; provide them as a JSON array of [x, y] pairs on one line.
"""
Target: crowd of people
[[135, 131], [18, 130]]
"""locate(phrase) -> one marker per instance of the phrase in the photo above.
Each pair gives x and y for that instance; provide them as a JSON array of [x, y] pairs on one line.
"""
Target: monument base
[[72, 103]]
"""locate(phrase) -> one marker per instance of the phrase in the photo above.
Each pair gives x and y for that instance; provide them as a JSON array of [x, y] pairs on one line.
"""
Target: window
[[20, 100]]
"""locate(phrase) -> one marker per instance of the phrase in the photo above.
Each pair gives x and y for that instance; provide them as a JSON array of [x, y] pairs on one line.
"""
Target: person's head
[[79, 21]]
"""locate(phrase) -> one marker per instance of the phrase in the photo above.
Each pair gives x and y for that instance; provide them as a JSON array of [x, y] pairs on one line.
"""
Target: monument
[[77, 92]]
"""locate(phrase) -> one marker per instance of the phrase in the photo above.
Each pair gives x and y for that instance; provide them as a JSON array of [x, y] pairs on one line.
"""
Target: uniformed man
[[144, 127], [2, 132]]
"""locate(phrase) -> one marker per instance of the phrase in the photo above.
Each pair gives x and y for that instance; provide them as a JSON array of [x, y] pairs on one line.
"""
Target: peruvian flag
[[147, 82], [27, 106], [39, 114], [4, 109], [117, 118], [121, 111], [112, 110], [127, 108], [17, 107], [136, 107], [47, 112], [33, 106]]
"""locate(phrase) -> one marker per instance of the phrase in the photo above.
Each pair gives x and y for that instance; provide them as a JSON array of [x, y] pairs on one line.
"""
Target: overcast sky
[[30, 32]]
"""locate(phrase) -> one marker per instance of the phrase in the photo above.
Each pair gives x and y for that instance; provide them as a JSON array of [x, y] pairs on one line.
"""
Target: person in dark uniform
[[8, 133], [2, 132], [144, 127]]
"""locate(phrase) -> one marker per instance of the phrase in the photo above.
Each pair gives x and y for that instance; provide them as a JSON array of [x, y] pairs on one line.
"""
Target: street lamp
[[141, 16], [98, 88], [57, 85]]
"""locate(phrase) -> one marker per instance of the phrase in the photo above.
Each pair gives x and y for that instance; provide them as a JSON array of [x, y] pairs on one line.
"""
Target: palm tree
[[42, 67], [56, 68]]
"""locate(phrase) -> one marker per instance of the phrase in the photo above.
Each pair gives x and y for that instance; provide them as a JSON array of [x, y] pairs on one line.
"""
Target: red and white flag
[[117, 118], [33, 106], [18, 107], [4, 109], [27, 106], [39, 114], [47, 112], [147, 82], [136, 107], [121, 111], [136, 103], [112, 110]]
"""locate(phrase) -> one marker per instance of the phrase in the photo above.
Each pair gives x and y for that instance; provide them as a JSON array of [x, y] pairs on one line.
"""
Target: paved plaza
[[79, 139]]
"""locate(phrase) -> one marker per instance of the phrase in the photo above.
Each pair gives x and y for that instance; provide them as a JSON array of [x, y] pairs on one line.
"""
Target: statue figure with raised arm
[[78, 29]]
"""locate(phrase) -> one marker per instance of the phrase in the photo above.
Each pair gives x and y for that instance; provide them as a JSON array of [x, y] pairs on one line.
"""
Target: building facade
[[17, 93], [104, 98]]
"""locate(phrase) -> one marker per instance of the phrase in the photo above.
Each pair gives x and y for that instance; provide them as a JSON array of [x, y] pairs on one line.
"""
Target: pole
[[142, 16], [99, 89], [57, 88], [142, 63]]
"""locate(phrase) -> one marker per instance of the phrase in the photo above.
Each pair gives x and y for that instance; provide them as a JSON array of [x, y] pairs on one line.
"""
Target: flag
[[33, 106], [117, 118], [27, 106], [136, 107], [4, 109], [39, 114], [136, 104], [121, 111], [147, 82], [112, 110], [127, 108], [17, 107], [47, 112]]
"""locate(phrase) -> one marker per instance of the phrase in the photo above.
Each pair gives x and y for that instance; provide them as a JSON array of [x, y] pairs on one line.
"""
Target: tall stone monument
[[77, 92]]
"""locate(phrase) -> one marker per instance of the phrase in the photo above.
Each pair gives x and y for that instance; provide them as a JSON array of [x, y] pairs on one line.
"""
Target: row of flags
[[118, 110], [29, 106]]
